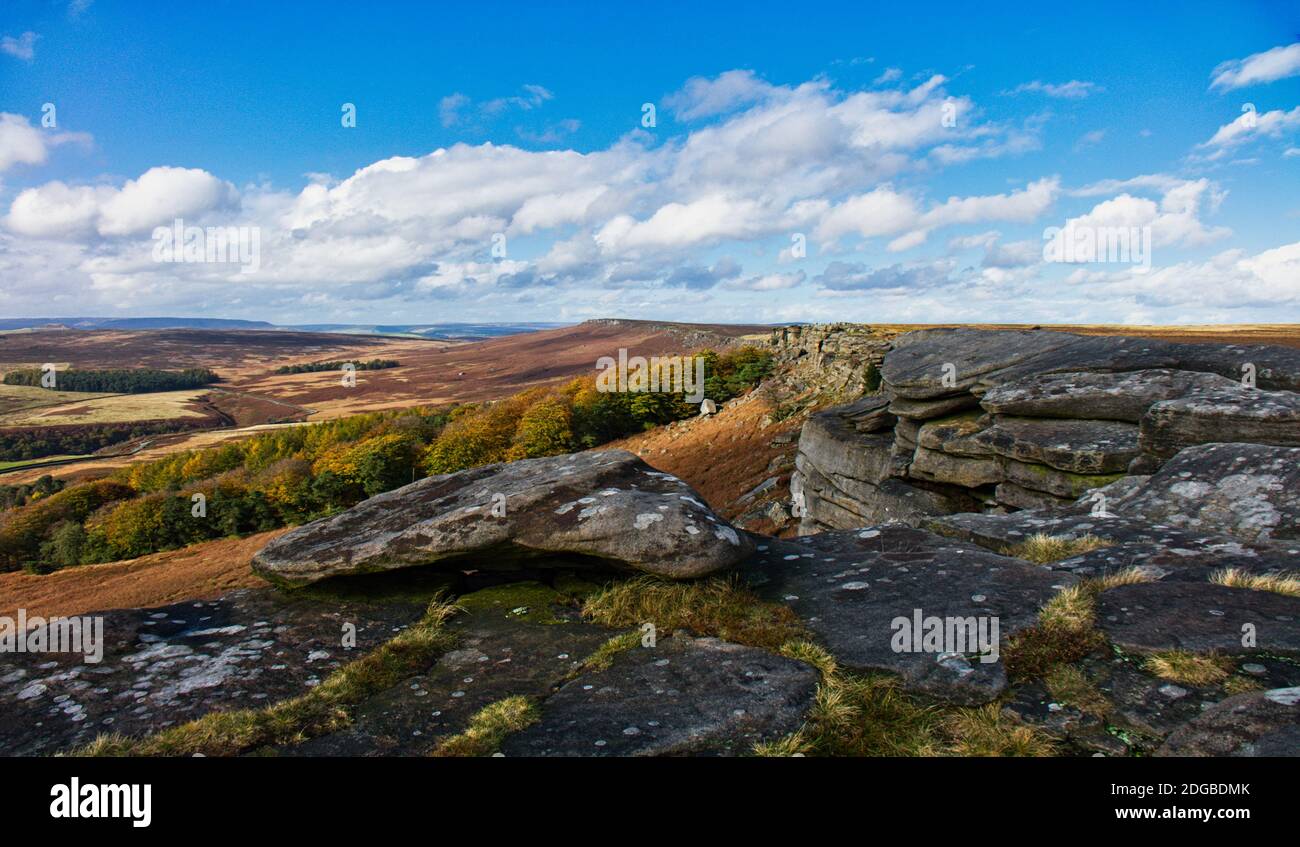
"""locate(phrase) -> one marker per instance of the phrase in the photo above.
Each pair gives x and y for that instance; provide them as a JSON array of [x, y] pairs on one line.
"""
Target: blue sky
[[774, 122]]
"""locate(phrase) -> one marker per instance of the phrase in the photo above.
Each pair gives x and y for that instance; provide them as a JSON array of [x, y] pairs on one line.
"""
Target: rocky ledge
[[609, 506], [981, 420]]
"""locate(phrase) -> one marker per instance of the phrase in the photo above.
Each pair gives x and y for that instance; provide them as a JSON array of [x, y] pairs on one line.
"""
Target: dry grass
[[719, 607], [1069, 686], [489, 726], [324, 709], [872, 716], [1043, 549], [1188, 668], [603, 656], [117, 408], [1287, 584]]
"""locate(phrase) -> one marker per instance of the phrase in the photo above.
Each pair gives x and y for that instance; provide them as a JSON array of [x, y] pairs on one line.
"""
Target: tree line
[[116, 380], [313, 367]]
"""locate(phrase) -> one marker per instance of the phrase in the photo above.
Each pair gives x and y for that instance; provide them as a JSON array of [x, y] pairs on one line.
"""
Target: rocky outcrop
[[853, 588], [1259, 723], [609, 507], [828, 362], [999, 420], [683, 696], [1249, 491], [163, 666]]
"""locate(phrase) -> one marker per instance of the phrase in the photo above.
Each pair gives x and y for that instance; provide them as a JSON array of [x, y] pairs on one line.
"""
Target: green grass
[[325, 708], [718, 606], [24, 463], [870, 715], [1069, 686], [488, 728]]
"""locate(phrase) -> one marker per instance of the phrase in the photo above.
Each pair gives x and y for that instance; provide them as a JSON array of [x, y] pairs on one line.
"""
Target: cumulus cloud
[[611, 230], [158, 196], [1270, 65], [1174, 220]]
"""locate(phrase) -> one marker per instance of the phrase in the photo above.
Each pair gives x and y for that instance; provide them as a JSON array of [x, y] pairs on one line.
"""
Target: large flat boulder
[[1230, 414], [1098, 396], [683, 696], [1199, 617], [1258, 723], [1251, 491], [609, 507], [975, 360], [850, 587]]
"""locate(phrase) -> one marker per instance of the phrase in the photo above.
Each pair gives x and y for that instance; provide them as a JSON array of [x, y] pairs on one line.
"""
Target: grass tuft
[[603, 656], [323, 709], [871, 715], [1069, 686], [1045, 549], [987, 732], [1287, 584], [720, 607], [489, 726], [1188, 668]]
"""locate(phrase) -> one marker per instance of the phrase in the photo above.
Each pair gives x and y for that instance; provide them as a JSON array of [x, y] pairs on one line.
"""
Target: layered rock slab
[[850, 587], [1250, 491], [683, 696], [1229, 414], [608, 506], [1259, 723], [1097, 396], [1199, 617], [980, 359], [164, 666]]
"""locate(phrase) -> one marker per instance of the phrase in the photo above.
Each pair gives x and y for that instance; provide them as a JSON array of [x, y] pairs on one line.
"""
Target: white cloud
[[703, 98], [1174, 220], [1072, 90], [1252, 125], [1270, 65], [157, 197], [769, 282], [23, 47], [20, 142]]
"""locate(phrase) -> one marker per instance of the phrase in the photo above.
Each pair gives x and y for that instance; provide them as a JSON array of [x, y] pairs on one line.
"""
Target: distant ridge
[[437, 331], [134, 323]]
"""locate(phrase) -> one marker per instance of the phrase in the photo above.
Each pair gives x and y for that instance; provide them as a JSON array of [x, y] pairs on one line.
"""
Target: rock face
[[1259, 723], [1245, 490], [852, 587], [683, 696], [607, 506], [998, 420], [1232, 414]]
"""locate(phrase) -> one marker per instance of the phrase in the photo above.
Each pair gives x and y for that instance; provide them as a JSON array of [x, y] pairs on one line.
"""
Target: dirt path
[[198, 572]]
